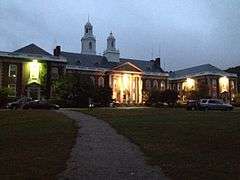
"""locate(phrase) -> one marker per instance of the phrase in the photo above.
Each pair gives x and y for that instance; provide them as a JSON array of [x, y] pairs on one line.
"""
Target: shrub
[[4, 92], [237, 100], [103, 96], [158, 97], [76, 90]]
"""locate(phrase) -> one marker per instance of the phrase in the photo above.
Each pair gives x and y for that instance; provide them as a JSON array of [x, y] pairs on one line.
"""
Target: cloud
[[189, 32]]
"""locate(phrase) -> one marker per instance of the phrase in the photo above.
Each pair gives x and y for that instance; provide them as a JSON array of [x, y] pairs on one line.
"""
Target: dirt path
[[101, 153]]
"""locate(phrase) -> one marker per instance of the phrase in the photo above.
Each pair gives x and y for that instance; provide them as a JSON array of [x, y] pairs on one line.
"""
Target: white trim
[[128, 63], [204, 74], [81, 68], [156, 74], [32, 56]]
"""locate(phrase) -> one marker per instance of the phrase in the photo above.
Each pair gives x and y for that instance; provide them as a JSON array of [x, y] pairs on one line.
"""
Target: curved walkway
[[101, 153]]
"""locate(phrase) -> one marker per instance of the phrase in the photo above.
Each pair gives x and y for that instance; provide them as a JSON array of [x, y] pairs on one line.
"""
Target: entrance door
[[33, 92]]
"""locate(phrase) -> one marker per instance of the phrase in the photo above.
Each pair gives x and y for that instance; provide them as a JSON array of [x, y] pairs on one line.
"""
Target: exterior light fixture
[[34, 68], [189, 84], [224, 84]]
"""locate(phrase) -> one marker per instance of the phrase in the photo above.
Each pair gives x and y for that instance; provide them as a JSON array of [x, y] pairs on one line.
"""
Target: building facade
[[31, 71], [215, 82]]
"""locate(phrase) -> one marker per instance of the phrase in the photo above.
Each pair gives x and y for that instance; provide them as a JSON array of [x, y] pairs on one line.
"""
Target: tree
[[168, 96], [103, 96], [74, 90]]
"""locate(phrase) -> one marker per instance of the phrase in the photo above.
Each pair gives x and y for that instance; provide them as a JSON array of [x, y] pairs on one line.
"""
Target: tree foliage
[[168, 96], [103, 96], [76, 90]]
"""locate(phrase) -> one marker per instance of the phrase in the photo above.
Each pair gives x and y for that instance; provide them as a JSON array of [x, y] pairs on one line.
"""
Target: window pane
[[12, 70]]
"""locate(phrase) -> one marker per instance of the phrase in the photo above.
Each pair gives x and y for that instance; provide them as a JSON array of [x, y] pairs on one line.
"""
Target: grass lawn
[[186, 145], [34, 144]]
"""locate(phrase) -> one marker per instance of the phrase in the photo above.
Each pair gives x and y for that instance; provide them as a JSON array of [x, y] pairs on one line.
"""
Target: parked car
[[192, 105], [40, 105], [19, 103], [214, 104]]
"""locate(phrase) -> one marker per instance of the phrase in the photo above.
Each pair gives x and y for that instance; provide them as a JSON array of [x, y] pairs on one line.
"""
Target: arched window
[[232, 85], [93, 80], [112, 44], [163, 86], [90, 45], [179, 86], [101, 82], [155, 84], [148, 84]]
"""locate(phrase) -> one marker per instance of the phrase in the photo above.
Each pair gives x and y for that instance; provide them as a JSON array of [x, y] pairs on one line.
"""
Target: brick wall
[[0, 74]]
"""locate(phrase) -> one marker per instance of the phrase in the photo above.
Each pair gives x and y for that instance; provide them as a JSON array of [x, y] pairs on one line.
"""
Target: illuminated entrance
[[127, 88], [33, 70]]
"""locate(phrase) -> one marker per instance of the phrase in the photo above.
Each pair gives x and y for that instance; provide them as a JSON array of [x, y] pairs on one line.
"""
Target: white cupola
[[111, 53], [88, 40]]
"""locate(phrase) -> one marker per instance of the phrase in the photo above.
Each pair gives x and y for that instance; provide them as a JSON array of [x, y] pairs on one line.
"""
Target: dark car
[[19, 103], [40, 105], [214, 104], [192, 105]]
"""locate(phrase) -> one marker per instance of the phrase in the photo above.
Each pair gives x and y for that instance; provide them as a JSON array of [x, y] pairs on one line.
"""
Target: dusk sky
[[183, 33]]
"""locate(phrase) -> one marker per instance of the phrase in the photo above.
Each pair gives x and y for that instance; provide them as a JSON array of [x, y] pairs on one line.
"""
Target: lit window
[[224, 84], [101, 82], [12, 70], [232, 85], [189, 84], [162, 85], [178, 86], [12, 90]]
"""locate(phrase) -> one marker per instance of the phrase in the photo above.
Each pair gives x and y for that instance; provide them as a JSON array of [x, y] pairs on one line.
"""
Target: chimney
[[57, 51], [157, 63]]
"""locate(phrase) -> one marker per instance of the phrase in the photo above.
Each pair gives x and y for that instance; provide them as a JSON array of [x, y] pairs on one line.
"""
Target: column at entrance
[[127, 88]]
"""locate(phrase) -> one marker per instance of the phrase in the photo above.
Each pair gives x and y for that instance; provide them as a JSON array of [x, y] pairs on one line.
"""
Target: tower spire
[[111, 53], [88, 40]]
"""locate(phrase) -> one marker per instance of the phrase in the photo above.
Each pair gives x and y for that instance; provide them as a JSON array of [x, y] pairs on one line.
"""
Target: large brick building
[[30, 71], [217, 83]]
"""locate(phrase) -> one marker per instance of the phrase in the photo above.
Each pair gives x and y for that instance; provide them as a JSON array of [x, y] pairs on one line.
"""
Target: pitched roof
[[205, 69], [144, 65], [32, 49], [97, 61]]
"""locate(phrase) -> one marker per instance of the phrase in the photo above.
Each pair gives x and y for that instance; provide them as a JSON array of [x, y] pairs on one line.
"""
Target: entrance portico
[[127, 84]]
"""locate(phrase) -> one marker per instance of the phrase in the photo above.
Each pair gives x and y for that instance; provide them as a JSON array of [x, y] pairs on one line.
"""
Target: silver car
[[214, 104]]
